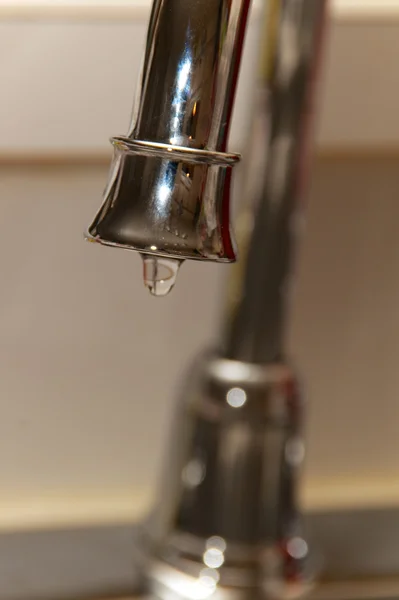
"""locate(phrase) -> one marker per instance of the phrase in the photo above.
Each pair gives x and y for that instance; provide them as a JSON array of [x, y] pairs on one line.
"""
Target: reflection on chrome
[[297, 547], [294, 451], [236, 397], [216, 543], [211, 576], [164, 189], [194, 473], [182, 95], [163, 194], [214, 558], [280, 156], [172, 583], [204, 587]]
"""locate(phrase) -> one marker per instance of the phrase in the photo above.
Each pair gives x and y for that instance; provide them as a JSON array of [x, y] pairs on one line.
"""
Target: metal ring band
[[192, 155]]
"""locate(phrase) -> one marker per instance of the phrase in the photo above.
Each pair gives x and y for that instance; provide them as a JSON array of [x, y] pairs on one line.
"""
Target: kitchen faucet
[[227, 522]]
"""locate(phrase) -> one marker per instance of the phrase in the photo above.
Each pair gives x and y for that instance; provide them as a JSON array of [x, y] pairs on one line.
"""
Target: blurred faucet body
[[227, 523]]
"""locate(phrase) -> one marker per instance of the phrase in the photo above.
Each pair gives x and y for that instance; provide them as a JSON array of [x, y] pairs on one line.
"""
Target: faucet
[[227, 523]]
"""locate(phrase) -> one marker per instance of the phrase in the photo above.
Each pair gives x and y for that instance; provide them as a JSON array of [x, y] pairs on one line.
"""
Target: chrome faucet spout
[[169, 188]]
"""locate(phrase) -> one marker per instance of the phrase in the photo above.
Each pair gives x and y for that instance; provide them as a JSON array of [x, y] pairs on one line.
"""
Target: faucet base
[[227, 523]]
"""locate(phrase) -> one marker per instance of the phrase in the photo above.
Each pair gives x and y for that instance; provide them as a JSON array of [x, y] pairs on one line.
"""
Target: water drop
[[160, 273]]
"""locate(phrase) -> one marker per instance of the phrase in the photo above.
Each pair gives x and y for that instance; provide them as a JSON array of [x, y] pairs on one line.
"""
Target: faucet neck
[[227, 507], [255, 326]]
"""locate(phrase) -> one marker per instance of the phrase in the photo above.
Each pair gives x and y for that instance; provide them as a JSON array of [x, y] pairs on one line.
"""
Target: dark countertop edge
[[356, 546]]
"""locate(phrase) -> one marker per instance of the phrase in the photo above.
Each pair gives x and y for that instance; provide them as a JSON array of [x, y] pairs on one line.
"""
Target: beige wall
[[89, 363], [346, 324]]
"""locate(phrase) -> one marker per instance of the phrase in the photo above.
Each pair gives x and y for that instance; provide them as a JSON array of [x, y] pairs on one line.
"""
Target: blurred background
[[89, 362]]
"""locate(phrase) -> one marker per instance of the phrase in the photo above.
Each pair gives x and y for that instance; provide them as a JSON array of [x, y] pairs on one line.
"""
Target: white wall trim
[[89, 156], [69, 510], [355, 493], [84, 10], [122, 10], [74, 10], [365, 10]]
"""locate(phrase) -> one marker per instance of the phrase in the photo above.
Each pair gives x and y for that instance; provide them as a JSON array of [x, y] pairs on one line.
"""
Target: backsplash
[[90, 363]]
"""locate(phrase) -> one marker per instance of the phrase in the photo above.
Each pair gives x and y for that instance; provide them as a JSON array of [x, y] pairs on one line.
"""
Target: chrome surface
[[227, 519], [227, 522], [277, 164], [169, 185]]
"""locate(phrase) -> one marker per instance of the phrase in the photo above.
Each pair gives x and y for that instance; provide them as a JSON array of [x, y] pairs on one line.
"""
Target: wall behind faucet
[[89, 363]]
